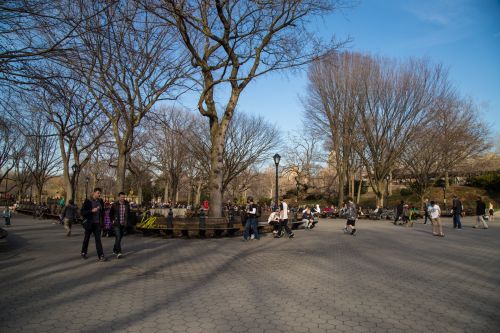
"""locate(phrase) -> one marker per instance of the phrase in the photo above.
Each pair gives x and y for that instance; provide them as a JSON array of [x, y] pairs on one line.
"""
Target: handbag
[[87, 225]]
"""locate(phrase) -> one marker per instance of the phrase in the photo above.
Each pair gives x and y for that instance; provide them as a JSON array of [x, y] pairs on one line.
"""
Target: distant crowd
[[107, 219]]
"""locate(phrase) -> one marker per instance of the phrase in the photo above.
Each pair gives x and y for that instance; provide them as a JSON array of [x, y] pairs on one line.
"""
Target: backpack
[[258, 211]]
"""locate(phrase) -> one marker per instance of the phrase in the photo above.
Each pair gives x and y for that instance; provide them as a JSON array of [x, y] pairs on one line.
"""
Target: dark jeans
[[96, 230], [7, 221], [456, 221], [251, 223], [427, 217], [117, 248], [276, 225], [284, 224]]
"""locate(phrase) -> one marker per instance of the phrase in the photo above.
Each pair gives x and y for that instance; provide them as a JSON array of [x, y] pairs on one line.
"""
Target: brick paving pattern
[[385, 279]]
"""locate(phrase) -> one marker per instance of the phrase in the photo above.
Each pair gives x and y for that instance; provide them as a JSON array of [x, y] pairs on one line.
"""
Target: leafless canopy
[[230, 43]]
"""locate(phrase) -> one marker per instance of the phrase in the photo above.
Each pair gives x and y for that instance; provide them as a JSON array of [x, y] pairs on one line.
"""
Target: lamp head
[[276, 159]]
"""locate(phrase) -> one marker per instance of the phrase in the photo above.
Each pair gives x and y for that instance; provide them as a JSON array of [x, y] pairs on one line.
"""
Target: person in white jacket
[[435, 214], [274, 220], [284, 219]]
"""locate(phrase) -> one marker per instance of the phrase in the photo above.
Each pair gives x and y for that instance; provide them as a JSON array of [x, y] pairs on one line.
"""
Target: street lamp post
[[75, 169], [276, 159], [5, 193], [86, 186], [444, 196], [387, 191]]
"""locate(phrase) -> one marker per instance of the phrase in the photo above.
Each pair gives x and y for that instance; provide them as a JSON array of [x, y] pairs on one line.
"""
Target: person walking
[[7, 214], [251, 220], [426, 210], [457, 209], [68, 216], [120, 210], [480, 212], [351, 214], [399, 212], [435, 214], [93, 211], [284, 219], [491, 211]]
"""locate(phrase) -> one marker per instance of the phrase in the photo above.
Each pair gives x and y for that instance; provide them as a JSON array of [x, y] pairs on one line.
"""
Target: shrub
[[405, 192], [489, 181]]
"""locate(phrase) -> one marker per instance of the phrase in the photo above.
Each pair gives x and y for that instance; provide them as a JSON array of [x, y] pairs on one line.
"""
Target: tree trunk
[[360, 183], [198, 194], [352, 185], [139, 194], [341, 189], [215, 178], [446, 179], [217, 133], [379, 191], [166, 192], [389, 186], [120, 169], [39, 189]]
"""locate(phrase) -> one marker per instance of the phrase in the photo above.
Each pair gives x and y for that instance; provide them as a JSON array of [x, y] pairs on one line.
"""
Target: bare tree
[[129, 61], [231, 43], [421, 161], [73, 113], [462, 133], [22, 177], [302, 160], [383, 104], [248, 142], [32, 31], [11, 147], [42, 162], [174, 131], [331, 105]]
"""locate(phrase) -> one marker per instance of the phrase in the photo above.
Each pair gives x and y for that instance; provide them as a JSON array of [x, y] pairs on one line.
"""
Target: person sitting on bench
[[308, 218], [274, 220]]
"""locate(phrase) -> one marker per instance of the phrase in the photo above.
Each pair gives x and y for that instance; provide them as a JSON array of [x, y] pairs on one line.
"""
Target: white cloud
[[440, 12]]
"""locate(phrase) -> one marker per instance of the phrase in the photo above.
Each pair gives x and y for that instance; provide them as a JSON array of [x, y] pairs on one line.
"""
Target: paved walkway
[[385, 279]]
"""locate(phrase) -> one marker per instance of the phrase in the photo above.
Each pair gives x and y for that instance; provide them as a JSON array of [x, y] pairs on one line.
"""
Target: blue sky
[[464, 35]]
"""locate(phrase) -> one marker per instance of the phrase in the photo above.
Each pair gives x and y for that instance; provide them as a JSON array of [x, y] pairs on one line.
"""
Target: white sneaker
[[252, 237]]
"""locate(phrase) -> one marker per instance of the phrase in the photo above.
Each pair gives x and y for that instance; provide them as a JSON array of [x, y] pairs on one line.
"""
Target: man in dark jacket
[[68, 216], [457, 212], [399, 211], [93, 211], [480, 212], [120, 210]]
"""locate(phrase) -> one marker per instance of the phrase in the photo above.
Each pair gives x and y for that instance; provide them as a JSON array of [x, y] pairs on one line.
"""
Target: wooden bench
[[187, 227]]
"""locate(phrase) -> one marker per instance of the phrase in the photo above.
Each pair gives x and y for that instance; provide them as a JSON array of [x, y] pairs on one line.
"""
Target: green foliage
[[439, 182], [264, 201], [364, 186], [405, 192], [490, 182], [314, 196]]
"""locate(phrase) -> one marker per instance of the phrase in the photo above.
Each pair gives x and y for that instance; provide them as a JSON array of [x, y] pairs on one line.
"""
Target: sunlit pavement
[[385, 279]]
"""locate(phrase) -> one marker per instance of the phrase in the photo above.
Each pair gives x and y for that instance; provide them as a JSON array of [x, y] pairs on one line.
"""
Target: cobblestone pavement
[[385, 279]]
